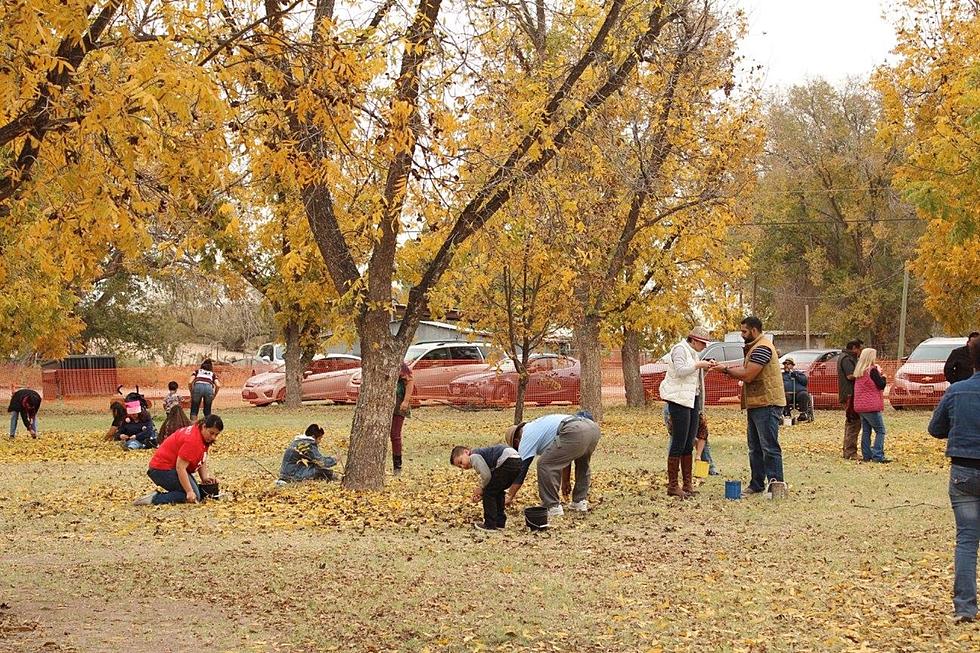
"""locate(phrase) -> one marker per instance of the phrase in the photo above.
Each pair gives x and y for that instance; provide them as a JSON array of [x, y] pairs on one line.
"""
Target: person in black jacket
[[24, 405], [958, 366]]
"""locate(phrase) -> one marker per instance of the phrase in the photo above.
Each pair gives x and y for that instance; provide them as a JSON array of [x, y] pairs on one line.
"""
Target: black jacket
[[958, 366], [26, 402]]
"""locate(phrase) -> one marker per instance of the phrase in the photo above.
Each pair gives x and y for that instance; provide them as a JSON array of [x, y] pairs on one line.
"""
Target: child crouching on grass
[[498, 467]]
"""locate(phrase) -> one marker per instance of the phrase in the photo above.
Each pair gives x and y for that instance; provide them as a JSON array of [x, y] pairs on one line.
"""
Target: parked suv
[[920, 381], [434, 365], [719, 388]]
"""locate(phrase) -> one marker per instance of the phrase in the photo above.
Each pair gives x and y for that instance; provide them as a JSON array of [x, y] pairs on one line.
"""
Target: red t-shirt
[[187, 443]]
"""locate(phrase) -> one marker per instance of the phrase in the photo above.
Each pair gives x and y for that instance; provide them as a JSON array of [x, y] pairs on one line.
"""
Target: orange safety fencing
[[463, 383]]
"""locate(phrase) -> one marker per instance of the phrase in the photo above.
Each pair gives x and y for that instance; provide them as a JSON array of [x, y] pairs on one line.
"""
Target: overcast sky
[[833, 39]]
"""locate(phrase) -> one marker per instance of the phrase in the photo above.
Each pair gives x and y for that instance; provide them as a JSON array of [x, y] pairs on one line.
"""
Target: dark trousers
[[684, 423], [852, 429], [168, 480], [396, 434], [801, 400], [493, 494]]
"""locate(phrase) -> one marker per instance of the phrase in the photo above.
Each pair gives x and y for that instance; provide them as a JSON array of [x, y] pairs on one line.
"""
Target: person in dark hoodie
[[24, 405], [302, 460], [959, 366], [498, 467]]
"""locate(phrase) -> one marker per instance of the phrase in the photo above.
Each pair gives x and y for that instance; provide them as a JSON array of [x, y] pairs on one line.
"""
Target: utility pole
[[901, 319], [806, 312], [755, 287]]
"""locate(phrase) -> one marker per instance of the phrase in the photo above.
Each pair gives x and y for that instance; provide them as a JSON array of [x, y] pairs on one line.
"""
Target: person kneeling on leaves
[[173, 465], [132, 426], [302, 460]]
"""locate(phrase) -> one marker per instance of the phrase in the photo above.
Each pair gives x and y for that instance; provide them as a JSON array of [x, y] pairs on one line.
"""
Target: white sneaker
[[145, 501], [579, 506], [555, 511]]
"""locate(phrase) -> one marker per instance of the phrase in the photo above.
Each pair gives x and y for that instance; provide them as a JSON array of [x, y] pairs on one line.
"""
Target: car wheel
[[898, 407]]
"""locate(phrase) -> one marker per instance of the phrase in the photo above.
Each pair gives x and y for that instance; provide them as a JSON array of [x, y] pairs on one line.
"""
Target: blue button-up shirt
[[536, 436], [957, 417]]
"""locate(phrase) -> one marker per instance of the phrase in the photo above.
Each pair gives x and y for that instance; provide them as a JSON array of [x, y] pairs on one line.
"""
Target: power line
[[831, 222]]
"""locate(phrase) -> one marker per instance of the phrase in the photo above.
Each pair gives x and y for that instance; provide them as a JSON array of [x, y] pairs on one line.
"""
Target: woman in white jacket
[[683, 390]]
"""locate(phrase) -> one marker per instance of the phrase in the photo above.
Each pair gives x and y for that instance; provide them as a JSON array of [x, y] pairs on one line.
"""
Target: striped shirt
[[760, 356]]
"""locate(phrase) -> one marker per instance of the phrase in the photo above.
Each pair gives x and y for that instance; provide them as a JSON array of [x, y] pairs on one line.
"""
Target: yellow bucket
[[701, 468]]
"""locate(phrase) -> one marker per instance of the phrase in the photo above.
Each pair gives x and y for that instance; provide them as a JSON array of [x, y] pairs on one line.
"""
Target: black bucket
[[536, 518], [208, 490]]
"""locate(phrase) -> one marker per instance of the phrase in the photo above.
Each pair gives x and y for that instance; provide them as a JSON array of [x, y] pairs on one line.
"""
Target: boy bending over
[[498, 467]]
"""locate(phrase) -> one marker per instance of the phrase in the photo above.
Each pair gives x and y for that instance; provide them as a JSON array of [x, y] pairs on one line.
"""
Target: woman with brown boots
[[683, 390]]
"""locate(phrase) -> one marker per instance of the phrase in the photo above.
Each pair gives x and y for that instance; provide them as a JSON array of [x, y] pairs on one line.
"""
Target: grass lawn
[[858, 558]]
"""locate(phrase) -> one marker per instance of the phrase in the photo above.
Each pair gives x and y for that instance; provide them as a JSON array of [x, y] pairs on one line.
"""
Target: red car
[[820, 367], [552, 378], [325, 378], [920, 382]]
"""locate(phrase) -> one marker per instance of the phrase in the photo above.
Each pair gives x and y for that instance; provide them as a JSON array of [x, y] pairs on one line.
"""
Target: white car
[[326, 378]]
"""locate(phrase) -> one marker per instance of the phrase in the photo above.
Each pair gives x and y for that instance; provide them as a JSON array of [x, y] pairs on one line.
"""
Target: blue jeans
[[168, 480], [874, 451], [765, 456], [964, 494], [15, 417], [201, 391]]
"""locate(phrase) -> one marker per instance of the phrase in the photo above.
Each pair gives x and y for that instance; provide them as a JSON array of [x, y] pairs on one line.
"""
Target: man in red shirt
[[175, 461]]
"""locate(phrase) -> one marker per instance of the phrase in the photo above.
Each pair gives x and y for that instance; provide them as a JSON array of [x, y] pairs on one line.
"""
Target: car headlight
[[901, 376]]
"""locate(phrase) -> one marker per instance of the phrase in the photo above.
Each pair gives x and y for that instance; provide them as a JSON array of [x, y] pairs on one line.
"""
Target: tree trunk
[[631, 369], [294, 365], [370, 433], [522, 380], [590, 358]]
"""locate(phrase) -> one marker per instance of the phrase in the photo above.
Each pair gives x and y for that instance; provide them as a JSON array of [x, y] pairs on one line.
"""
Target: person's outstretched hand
[[191, 497]]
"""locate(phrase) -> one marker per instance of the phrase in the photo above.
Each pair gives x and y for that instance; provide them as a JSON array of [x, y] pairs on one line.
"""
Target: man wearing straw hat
[[556, 440]]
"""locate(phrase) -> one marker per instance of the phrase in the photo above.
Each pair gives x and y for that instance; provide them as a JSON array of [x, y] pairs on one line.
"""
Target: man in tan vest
[[764, 399]]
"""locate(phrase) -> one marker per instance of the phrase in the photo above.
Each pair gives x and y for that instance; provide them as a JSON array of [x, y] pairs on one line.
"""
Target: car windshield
[[802, 356], [414, 352], [932, 352]]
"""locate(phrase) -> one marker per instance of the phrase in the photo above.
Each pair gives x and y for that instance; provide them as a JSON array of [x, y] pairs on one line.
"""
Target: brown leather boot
[[673, 486], [686, 471]]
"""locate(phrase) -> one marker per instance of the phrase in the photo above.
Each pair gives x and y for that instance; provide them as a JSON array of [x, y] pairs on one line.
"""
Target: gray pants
[[576, 440]]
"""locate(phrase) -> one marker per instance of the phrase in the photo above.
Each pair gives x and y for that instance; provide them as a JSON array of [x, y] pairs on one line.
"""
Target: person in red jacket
[[175, 461]]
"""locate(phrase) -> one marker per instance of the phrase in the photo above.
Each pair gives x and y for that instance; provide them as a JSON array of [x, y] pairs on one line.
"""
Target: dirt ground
[[857, 559]]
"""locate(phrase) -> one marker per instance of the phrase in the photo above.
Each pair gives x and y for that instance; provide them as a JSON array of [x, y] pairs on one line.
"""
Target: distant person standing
[[957, 419], [958, 366], [403, 409], [764, 399], [24, 405], [204, 387], [845, 392], [869, 403]]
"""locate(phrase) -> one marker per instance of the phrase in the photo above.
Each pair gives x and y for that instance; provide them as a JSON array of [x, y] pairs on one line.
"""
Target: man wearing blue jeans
[[957, 419], [764, 399]]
